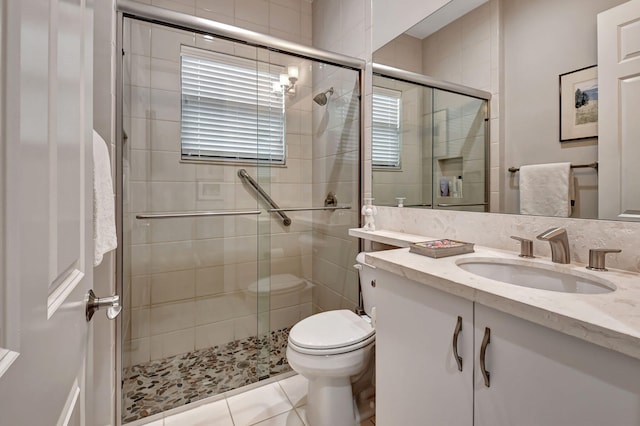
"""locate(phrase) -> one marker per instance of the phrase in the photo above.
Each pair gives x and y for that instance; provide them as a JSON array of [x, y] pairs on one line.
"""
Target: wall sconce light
[[287, 81]]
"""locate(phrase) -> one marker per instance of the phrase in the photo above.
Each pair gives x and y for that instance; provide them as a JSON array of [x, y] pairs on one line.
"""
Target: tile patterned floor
[[161, 385], [280, 403]]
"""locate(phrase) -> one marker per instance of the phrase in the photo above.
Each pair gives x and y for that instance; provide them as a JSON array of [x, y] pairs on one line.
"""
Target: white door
[[619, 103], [47, 245]]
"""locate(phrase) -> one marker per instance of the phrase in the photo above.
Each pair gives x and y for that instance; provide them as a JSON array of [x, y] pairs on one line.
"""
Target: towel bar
[[195, 214], [573, 166]]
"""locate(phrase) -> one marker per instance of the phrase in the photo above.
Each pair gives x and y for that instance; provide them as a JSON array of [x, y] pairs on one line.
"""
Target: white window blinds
[[230, 110], [386, 128]]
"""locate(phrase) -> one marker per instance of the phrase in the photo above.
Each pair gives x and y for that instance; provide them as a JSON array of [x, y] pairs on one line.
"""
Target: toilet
[[334, 350]]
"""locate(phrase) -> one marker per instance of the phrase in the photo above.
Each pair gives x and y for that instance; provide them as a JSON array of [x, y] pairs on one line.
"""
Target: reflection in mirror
[[516, 50], [429, 145], [401, 143]]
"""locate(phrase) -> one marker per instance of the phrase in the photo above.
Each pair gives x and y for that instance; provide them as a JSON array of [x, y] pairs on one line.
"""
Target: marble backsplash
[[493, 230]]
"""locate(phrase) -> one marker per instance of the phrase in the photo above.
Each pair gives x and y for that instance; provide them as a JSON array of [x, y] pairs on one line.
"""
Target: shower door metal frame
[[156, 15]]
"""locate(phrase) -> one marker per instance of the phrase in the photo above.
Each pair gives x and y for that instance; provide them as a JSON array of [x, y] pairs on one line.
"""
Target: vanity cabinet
[[540, 376], [417, 378], [537, 376]]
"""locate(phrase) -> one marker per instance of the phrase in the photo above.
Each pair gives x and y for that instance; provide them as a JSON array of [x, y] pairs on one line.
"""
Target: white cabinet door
[[46, 193], [542, 377], [417, 377]]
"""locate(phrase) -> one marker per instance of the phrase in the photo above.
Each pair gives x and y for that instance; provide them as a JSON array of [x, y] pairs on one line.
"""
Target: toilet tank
[[366, 273]]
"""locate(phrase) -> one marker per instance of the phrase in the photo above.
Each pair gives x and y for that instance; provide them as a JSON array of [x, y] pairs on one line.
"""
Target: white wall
[[392, 18], [404, 52]]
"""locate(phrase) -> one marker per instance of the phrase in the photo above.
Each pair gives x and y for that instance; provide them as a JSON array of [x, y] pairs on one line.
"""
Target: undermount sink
[[535, 275]]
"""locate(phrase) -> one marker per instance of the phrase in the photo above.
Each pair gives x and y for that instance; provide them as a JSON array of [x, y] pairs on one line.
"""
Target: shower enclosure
[[238, 177], [430, 142]]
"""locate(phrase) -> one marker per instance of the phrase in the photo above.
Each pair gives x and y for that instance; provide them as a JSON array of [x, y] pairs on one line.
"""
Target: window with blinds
[[386, 128], [230, 110]]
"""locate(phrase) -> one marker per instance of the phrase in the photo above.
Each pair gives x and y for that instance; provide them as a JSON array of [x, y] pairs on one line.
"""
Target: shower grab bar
[[196, 214], [304, 209], [463, 205], [242, 174]]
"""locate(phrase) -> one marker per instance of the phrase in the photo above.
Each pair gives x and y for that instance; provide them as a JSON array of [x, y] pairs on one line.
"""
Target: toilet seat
[[330, 333], [332, 351]]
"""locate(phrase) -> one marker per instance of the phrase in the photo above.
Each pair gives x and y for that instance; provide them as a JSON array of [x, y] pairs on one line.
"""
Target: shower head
[[321, 98]]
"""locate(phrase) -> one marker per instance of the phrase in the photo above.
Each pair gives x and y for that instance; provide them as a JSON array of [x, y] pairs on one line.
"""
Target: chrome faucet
[[557, 237]]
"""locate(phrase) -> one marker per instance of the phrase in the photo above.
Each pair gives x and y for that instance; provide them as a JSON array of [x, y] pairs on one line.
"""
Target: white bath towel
[[104, 217], [547, 189]]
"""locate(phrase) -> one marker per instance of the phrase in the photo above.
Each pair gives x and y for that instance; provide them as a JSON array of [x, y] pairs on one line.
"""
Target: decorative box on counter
[[441, 248]]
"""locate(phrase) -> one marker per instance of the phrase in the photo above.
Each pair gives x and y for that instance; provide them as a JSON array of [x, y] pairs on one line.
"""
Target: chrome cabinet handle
[[456, 333], [94, 304], [483, 355]]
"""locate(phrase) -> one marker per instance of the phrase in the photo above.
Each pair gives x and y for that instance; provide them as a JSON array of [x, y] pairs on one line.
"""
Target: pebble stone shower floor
[[161, 385]]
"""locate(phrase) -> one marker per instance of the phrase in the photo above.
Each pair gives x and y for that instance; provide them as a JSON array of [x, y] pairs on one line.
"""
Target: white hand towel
[[104, 217], [547, 189]]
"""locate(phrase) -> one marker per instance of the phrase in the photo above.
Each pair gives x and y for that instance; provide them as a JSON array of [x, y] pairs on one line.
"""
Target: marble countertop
[[398, 239], [611, 320]]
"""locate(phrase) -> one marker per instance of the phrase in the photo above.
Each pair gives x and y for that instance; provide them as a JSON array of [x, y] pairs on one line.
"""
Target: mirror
[[516, 50], [429, 145]]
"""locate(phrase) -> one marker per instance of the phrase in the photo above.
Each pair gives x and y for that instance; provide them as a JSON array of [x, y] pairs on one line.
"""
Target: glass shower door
[[192, 275], [460, 150], [241, 179]]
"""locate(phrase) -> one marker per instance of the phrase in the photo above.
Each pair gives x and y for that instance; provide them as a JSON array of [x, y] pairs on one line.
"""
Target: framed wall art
[[579, 104]]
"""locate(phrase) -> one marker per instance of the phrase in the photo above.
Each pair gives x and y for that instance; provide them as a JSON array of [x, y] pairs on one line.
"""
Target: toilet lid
[[331, 329]]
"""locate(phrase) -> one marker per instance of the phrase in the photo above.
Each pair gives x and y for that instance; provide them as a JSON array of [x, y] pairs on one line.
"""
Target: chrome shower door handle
[[112, 303], [456, 333]]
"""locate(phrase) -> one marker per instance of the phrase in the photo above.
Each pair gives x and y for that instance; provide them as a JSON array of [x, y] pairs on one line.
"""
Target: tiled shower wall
[[342, 27], [459, 147], [286, 19], [335, 169], [190, 278]]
